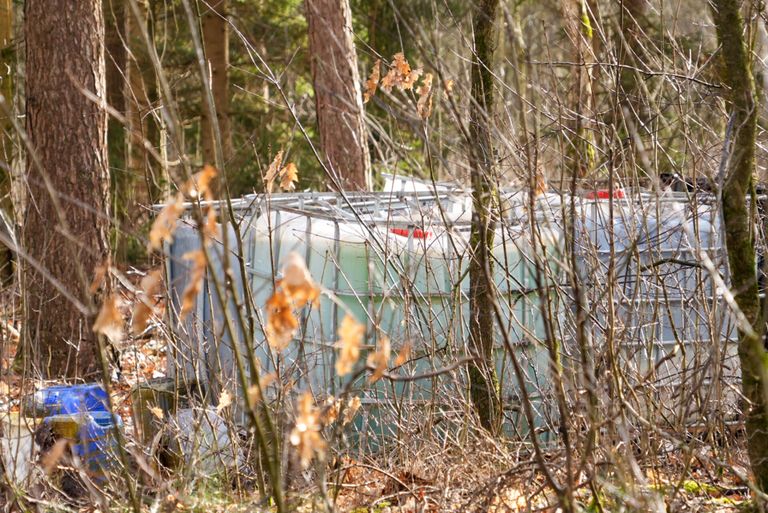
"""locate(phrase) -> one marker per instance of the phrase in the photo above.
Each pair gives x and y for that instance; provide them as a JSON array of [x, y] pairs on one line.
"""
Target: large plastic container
[[675, 334], [398, 265]]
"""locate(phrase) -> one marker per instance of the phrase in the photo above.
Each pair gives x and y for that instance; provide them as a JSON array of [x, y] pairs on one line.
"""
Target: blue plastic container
[[81, 413], [97, 445], [69, 400]]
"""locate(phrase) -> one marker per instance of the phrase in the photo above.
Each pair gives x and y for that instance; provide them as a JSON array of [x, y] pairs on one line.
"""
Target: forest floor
[[481, 475]]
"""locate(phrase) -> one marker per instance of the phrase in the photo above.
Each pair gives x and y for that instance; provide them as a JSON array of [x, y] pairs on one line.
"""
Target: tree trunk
[[122, 187], [484, 385], [7, 67], [739, 233], [216, 45], [578, 26], [632, 19], [338, 100], [65, 231]]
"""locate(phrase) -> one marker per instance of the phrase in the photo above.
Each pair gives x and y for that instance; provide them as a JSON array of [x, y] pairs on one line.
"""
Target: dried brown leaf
[[50, 459], [350, 339], [225, 399], [145, 303], [281, 323], [400, 74], [189, 296], [157, 412], [373, 81], [424, 105], [109, 322], [165, 223], [306, 436], [379, 360], [404, 355], [289, 175], [353, 405], [200, 185], [297, 282], [273, 171]]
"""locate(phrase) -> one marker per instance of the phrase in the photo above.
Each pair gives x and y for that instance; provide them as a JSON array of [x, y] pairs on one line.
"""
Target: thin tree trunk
[[216, 45], [739, 233], [122, 187], [7, 67], [338, 100], [632, 18], [579, 29], [147, 182], [66, 224], [484, 384]]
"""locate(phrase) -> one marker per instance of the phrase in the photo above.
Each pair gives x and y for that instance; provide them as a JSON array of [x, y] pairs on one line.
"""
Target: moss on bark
[[739, 235], [484, 385]]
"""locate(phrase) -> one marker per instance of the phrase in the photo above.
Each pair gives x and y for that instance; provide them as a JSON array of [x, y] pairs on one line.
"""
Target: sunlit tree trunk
[[65, 230], [216, 46], [739, 232], [338, 99], [484, 385]]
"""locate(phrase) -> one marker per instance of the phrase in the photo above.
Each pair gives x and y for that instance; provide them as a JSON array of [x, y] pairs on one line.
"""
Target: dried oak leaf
[[289, 175], [373, 81], [379, 360], [109, 322], [225, 399], [281, 323], [400, 74], [404, 355], [50, 459], [200, 184], [145, 304], [424, 105], [273, 171], [305, 435], [157, 412], [350, 339], [165, 223], [353, 405], [189, 296], [297, 282]]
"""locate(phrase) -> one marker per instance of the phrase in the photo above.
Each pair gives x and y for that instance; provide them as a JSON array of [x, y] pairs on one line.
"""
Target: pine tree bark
[[66, 225], [216, 46], [739, 232], [484, 384], [338, 99]]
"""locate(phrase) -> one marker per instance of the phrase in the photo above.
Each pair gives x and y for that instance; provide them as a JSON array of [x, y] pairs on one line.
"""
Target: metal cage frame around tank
[[321, 208]]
